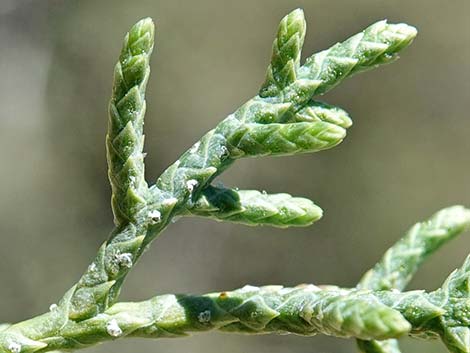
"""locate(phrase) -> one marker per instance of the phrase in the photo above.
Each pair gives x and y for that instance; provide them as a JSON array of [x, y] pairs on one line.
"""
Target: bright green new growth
[[284, 119]]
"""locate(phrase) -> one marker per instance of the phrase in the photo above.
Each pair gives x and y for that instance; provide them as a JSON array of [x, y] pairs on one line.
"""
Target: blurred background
[[406, 156]]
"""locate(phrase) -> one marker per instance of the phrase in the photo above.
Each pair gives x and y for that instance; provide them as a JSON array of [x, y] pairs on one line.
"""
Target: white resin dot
[[14, 347], [155, 216], [191, 184], [204, 316], [113, 328], [124, 259]]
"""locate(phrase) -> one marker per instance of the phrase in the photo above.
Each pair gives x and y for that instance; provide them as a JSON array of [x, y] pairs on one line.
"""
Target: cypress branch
[[214, 153], [378, 44], [254, 140], [100, 284], [141, 213], [305, 310], [252, 207], [286, 51], [454, 325], [402, 260], [284, 119], [125, 138]]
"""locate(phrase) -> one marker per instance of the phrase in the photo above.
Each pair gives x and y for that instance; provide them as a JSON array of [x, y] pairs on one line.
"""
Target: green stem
[[304, 310]]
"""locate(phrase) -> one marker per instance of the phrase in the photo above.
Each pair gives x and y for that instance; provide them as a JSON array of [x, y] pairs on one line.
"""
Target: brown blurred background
[[406, 156]]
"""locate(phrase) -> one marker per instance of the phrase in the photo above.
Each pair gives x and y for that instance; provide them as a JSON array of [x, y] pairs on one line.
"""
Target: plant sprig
[[402, 260], [283, 119]]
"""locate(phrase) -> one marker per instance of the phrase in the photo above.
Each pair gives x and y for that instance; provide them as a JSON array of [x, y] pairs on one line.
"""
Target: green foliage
[[125, 140], [402, 260], [285, 60], [252, 207], [283, 119]]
